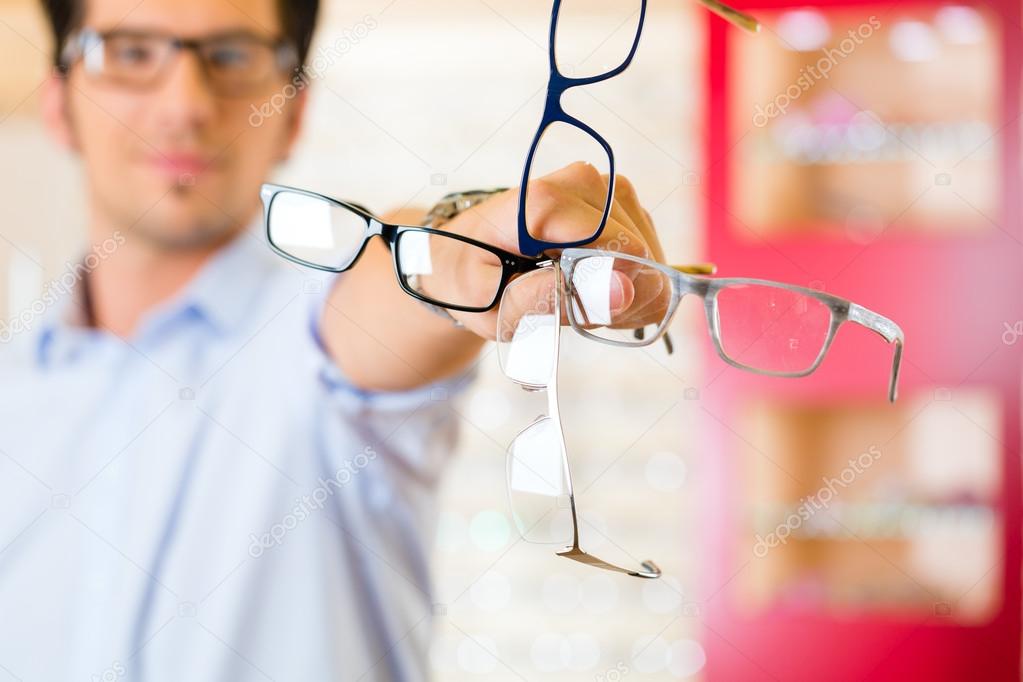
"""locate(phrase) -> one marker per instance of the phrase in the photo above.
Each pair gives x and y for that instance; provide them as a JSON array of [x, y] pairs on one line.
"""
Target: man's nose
[[186, 97]]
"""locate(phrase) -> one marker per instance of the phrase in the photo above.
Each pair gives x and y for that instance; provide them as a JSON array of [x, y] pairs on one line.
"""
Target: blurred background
[[808, 529]]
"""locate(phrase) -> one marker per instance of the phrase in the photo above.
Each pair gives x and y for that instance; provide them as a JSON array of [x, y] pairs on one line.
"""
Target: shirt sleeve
[[418, 427]]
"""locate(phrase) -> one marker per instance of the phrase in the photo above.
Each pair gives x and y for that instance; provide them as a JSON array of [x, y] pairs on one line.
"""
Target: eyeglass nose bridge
[[688, 284], [196, 46], [189, 44], [283, 54], [175, 48]]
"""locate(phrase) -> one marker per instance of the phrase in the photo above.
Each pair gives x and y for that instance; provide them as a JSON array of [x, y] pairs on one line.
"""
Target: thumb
[[621, 292]]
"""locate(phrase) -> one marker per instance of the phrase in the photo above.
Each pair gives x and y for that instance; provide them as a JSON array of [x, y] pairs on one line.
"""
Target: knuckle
[[620, 240], [542, 194], [587, 175], [638, 248], [624, 189], [542, 200]]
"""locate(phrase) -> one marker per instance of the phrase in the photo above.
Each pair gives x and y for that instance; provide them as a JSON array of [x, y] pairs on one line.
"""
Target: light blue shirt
[[210, 500]]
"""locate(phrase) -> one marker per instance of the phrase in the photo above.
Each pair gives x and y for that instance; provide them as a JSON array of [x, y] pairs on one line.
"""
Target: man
[[214, 466]]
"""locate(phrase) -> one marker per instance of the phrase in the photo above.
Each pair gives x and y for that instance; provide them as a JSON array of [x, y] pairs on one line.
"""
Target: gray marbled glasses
[[760, 326]]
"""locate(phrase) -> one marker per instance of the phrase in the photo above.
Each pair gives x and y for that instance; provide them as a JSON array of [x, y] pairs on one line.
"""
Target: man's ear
[[56, 117]]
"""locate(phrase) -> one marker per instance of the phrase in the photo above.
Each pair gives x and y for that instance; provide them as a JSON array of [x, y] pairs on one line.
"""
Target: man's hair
[[298, 22]]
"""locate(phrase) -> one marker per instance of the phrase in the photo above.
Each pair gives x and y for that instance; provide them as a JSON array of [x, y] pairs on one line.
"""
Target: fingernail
[[619, 297]]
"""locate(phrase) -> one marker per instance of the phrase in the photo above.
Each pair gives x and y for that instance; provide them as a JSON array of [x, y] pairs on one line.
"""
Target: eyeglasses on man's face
[[562, 139], [438, 267], [235, 64], [760, 326]]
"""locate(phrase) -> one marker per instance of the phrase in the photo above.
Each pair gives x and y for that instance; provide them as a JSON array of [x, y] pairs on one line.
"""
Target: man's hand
[[564, 207], [383, 339]]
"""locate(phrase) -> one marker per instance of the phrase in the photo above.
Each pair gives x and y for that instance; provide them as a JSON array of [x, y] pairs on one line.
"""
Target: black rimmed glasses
[[562, 139], [437, 267], [236, 63]]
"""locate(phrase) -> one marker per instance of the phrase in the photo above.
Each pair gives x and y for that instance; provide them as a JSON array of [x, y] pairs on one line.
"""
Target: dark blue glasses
[[562, 135], [581, 52]]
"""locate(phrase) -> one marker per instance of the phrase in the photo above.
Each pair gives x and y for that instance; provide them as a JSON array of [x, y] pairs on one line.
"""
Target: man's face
[[177, 163]]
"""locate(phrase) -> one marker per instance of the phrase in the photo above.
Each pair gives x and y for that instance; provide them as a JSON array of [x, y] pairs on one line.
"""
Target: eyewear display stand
[[922, 578]]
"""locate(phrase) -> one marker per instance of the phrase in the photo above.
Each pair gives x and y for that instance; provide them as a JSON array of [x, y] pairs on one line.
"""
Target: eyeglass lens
[[561, 145], [771, 329], [527, 325], [437, 266], [591, 41], [613, 297], [316, 231], [538, 485]]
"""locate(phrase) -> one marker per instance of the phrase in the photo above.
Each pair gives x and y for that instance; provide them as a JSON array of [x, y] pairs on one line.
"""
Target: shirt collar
[[220, 294], [62, 327], [223, 290]]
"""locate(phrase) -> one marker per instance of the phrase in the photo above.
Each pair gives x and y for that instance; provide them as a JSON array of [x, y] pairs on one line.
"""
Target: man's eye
[[133, 55], [230, 58]]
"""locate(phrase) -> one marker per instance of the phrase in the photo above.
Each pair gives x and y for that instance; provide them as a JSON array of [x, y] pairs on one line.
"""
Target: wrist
[[443, 212], [456, 203]]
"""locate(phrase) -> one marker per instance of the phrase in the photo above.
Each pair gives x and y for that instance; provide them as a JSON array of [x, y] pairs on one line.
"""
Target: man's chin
[[178, 217], [185, 232]]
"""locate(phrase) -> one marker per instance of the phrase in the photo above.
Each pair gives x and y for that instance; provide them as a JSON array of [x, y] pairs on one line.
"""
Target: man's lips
[[182, 164]]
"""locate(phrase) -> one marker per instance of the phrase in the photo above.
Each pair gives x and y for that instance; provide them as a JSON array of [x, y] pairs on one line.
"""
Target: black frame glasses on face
[[554, 113], [371, 226], [234, 63]]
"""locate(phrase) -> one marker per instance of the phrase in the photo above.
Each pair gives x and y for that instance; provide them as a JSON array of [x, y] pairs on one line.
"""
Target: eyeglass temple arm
[[732, 15], [696, 269], [640, 334], [649, 571], [891, 333], [360, 207]]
